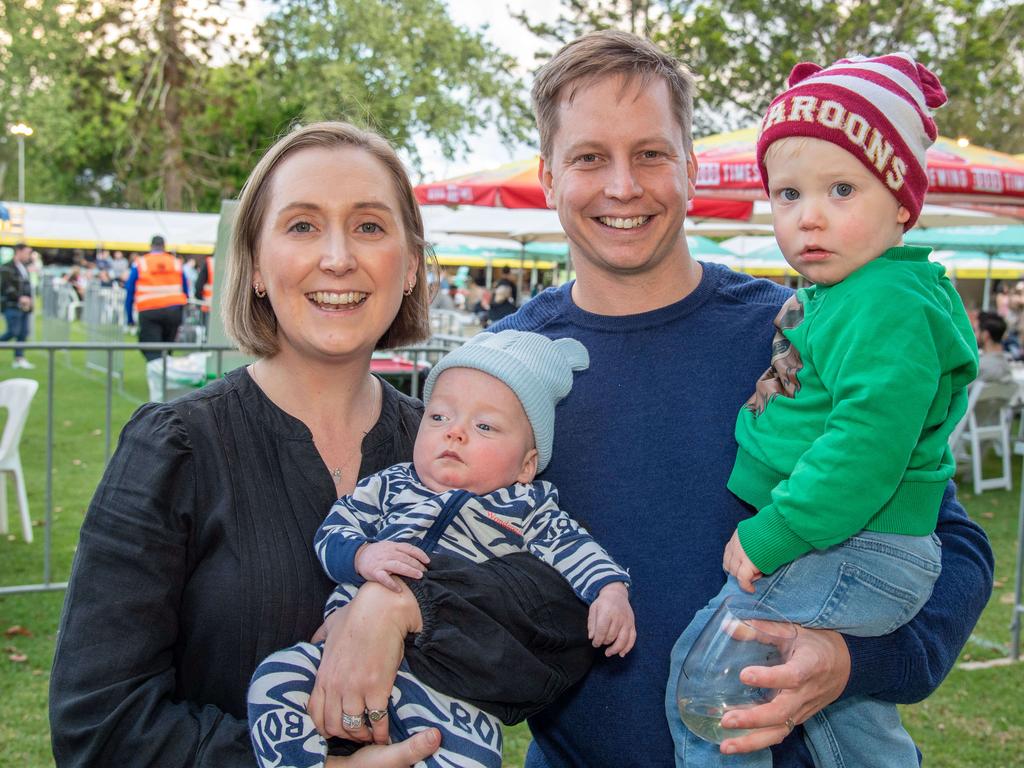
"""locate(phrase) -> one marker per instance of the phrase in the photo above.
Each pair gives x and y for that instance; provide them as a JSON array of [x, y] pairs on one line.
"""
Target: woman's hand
[[401, 755], [364, 646], [813, 678]]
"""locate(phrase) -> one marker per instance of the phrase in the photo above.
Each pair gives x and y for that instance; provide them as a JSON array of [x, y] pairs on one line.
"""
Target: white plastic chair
[[988, 417], [16, 396], [72, 302]]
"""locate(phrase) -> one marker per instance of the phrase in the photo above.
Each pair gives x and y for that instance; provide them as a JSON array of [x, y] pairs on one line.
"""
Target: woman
[[195, 559]]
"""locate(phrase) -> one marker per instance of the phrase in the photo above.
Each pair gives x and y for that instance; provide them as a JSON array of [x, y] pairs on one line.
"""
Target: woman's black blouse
[[195, 562]]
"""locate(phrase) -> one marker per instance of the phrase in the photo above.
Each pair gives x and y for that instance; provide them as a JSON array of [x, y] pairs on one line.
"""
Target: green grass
[[78, 458], [975, 719]]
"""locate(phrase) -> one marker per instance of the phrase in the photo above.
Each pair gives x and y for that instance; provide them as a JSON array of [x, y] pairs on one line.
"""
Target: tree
[[155, 104], [103, 84], [641, 17], [742, 51], [401, 67], [44, 81], [157, 57]]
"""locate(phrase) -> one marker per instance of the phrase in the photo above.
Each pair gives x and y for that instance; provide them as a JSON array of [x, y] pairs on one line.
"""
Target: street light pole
[[21, 130], [21, 169]]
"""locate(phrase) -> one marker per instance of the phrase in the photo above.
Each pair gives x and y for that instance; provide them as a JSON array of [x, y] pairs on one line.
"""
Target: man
[[506, 278], [157, 289], [993, 364], [16, 300], [204, 285], [119, 267], [993, 368], [676, 347]]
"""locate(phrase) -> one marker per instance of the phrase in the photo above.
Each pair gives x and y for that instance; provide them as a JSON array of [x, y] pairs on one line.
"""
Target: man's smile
[[620, 223]]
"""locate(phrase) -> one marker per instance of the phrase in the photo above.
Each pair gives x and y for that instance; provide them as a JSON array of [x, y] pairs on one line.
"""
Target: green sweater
[[848, 430]]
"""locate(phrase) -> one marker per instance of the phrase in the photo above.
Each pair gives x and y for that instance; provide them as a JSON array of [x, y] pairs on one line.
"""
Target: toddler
[[843, 446]]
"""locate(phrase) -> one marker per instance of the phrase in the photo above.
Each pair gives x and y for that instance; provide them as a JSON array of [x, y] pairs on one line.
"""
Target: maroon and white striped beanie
[[876, 109]]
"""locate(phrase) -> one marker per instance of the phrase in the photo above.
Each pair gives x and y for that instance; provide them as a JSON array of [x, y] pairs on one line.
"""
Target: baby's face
[[830, 213], [474, 435]]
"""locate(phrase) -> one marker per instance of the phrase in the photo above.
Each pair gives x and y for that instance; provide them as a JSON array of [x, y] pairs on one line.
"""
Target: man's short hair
[[20, 246], [598, 55], [993, 324], [157, 242]]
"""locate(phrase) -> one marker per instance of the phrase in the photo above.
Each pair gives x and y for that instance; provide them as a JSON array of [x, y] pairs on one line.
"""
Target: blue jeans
[[867, 586], [17, 328]]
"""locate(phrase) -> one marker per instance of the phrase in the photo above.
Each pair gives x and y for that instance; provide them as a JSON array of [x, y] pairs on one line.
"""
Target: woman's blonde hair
[[249, 319]]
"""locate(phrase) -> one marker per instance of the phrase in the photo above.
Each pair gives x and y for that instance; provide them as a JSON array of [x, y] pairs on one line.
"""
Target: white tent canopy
[[523, 225], [75, 226]]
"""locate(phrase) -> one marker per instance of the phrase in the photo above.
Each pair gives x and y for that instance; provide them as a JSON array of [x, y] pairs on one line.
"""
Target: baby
[[487, 430]]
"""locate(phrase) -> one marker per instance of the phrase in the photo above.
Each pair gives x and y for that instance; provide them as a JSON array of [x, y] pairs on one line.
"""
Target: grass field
[[975, 719]]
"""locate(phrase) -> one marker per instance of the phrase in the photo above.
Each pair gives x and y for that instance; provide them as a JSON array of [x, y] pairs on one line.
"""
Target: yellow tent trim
[[767, 271], [979, 274], [479, 261], [89, 245]]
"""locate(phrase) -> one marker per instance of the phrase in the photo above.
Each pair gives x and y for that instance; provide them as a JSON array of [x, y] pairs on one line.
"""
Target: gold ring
[[376, 715], [790, 724]]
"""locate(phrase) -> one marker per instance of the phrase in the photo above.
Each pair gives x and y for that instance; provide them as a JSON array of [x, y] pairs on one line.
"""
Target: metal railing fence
[[422, 357]]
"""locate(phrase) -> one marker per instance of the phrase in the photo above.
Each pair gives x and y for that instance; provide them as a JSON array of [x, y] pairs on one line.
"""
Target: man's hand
[[379, 560], [814, 677], [736, 562], [611, 621], [25, 303]]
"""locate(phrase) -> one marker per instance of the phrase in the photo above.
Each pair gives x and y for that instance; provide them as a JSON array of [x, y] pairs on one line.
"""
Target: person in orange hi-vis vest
[[204, 286], [158, 291]]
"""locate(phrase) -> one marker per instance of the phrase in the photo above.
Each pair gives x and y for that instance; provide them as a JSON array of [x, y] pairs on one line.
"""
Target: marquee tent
[[75, 226]]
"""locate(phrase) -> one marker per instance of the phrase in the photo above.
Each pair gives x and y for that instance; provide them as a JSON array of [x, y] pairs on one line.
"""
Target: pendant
[[336, 474]]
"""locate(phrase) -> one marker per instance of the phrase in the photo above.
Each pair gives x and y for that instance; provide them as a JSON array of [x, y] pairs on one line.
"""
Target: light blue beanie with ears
[[538, 369]]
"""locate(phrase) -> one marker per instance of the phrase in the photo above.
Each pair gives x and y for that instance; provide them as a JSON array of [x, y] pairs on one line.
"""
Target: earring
[[408, 289], [259, 290]]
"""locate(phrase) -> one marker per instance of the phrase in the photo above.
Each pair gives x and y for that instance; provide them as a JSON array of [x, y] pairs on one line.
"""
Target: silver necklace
[[377, 390]]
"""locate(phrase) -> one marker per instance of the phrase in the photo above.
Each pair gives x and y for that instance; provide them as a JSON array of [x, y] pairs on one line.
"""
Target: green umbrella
[[992, 240], [705, 246], [1006, 242]]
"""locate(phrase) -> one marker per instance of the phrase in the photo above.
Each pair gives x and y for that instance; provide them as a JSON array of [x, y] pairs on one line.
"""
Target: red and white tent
[[975, 176]]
